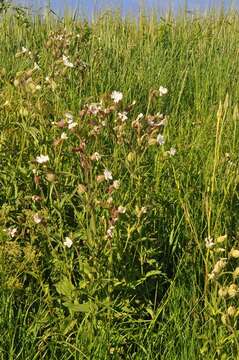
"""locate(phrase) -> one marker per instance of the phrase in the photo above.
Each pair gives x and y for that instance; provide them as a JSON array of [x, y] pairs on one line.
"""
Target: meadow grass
[[119, 217]]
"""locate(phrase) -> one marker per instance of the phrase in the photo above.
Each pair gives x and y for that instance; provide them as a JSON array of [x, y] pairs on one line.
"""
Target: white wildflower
[[12, 232], [172, 151], [116, 96], [123, 116], [72, 125], [68, 242], [108, 175], [143, 210], [36, 66], [69, 117], [66, 62], [160, 139], [42, 159], [163, 91], [64, 136], [209, 243]]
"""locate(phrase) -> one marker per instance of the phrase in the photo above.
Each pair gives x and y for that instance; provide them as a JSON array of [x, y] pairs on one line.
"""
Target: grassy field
[[119, 144]]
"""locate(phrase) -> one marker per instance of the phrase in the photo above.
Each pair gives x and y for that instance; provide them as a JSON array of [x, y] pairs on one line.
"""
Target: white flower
[[68, 242], [37, 218], [123, 116], [160, 139], [42, 159], [72, 125], [172, 151], [66, 62], [143, 210], [95, 157], [108, 174], [116, 96], [64, 136], [69, 117], [24, 50], [121, 210], [209, 243], [12, 232], [36, 66], [163, 91]]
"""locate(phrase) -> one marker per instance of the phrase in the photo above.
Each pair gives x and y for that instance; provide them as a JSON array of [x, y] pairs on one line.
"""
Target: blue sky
[[88, 6]]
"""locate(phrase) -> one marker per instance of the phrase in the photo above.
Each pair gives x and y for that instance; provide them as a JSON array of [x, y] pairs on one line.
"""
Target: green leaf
[[65, 287], [153, 273], [85, 308]]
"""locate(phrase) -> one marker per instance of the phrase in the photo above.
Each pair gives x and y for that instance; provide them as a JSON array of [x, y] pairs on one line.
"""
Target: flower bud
[[231, 311], [233, 290]]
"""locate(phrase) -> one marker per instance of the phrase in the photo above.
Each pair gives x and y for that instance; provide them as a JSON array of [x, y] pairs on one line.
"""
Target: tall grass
[[134, 262]]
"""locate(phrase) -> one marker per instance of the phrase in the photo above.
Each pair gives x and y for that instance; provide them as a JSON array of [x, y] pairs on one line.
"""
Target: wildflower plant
[[222, 280], [113, 162]]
